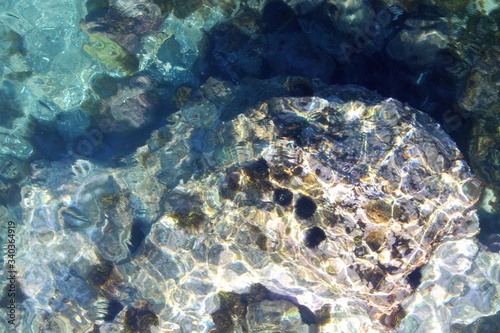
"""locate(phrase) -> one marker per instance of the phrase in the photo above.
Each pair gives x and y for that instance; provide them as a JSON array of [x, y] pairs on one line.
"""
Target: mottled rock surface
[[331, 201]]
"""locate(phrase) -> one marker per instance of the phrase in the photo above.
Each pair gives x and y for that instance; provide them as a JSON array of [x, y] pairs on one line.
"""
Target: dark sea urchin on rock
[[305, 207], [283, 197], [314, 236]]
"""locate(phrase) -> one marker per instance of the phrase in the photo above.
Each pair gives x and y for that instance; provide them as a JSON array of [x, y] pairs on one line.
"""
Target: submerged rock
[[282, 316], [329, 202]]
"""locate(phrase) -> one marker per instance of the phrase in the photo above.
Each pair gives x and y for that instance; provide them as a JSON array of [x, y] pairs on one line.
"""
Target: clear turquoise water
[[86, 80]]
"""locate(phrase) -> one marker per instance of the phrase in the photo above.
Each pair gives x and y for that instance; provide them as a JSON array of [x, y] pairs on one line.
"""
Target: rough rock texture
[[273, 316], [334, 199], [463, 277]]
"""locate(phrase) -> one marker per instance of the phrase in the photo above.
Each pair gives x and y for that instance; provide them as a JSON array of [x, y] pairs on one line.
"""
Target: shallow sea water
[[253, 166]]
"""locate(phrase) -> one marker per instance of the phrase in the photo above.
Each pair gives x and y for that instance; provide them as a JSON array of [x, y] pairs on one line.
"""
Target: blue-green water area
[[250, 166]]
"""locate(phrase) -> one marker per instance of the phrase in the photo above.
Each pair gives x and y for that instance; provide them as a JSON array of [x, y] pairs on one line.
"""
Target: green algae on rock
[[111, 54], [190, 220]]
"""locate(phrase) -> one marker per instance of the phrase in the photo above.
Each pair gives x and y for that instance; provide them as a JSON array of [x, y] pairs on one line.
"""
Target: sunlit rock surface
[[328, 202], [327, 206], [459, 285]]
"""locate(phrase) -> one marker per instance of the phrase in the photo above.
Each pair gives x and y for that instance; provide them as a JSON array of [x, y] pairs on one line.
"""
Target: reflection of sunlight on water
[[418, 191], [373, 237], [356, 111]]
